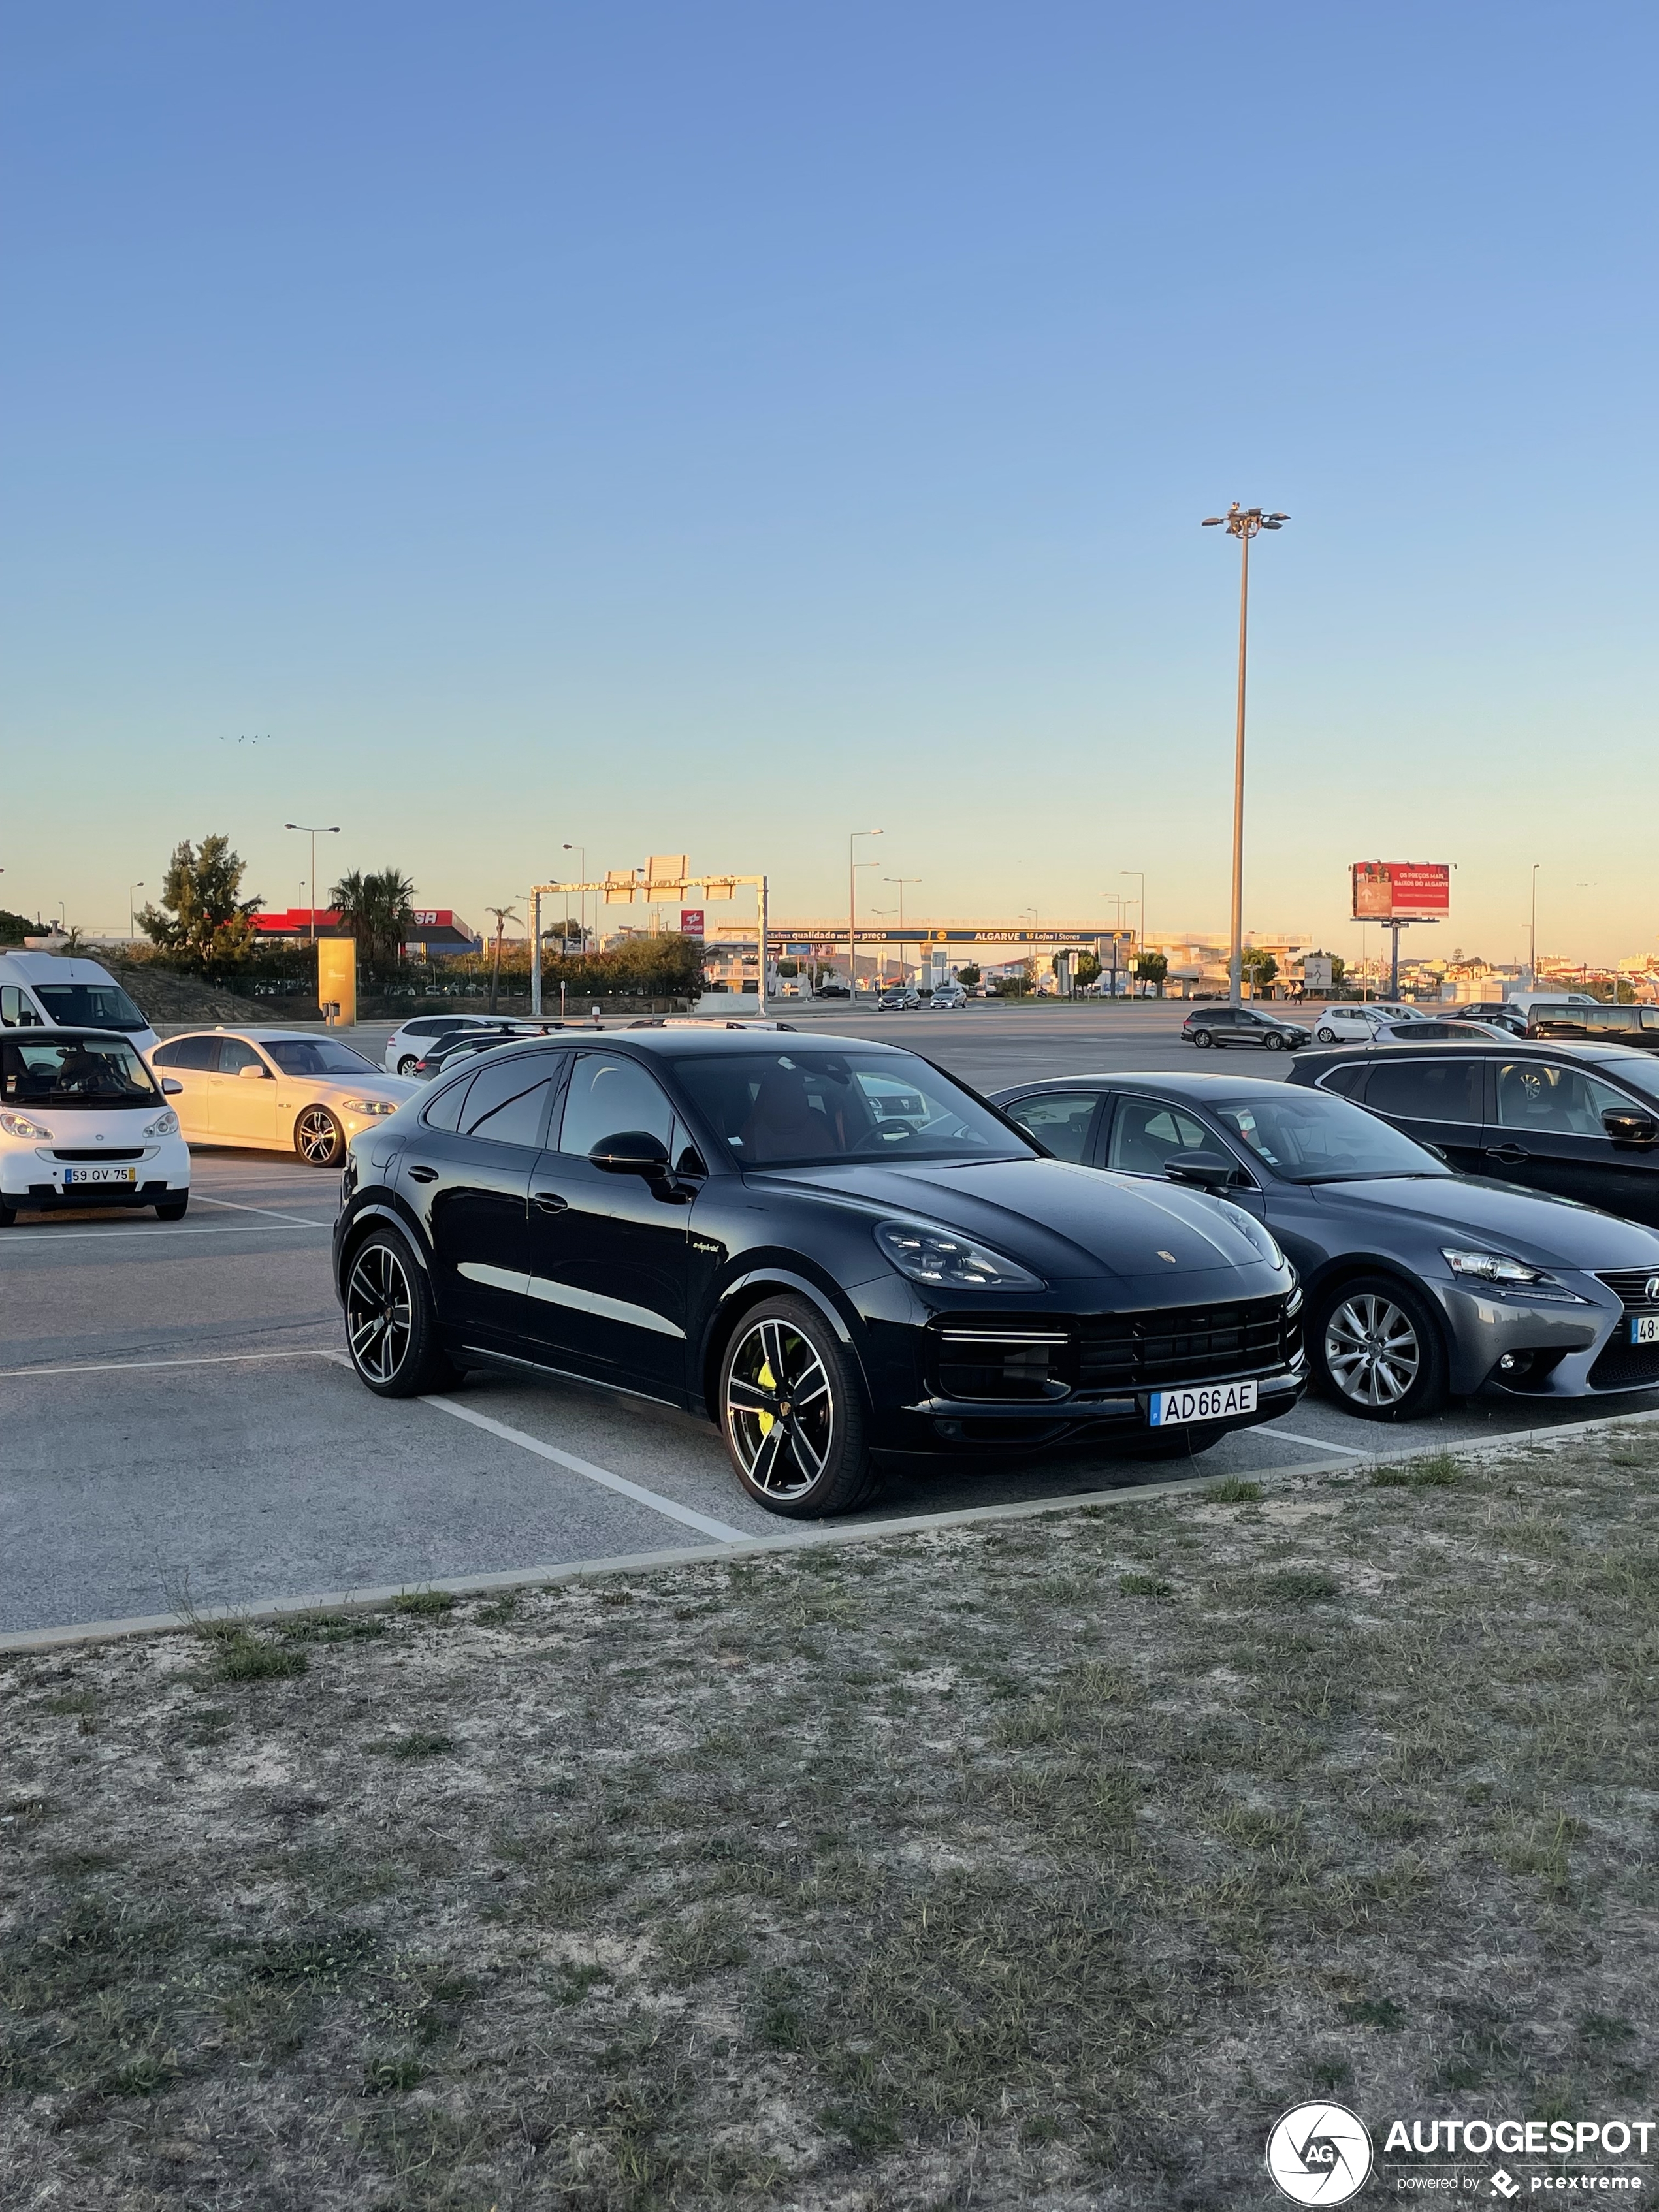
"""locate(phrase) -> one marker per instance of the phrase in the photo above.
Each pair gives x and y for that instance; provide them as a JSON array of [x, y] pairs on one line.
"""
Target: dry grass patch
[[1038, 1865]]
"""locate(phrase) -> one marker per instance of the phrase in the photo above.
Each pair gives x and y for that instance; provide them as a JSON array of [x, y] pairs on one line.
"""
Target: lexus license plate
[[101, 1175], [1644, 1328], [1202, 1402]]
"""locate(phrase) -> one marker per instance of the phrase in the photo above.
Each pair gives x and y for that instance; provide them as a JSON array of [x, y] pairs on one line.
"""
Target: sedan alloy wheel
[[1380, 1353], [319, 1138]]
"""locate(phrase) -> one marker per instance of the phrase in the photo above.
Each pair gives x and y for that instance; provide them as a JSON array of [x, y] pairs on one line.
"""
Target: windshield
[[317, 1056], [1637, 1069], [89, 1006], [1308, 1136], [800, 1109], [101, 1071]]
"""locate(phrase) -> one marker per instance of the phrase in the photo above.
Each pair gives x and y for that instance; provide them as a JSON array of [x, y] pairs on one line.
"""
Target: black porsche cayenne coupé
[[830, 1246]]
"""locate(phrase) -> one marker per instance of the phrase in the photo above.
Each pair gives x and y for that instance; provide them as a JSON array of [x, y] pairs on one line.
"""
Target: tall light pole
[[1242, 523], [580, 851], [901, 881], [852, 867], [132, 926], [1532, 957], [306, 831], [1140, 875]]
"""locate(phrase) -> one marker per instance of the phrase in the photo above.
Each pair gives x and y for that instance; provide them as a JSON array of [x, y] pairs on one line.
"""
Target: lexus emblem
[[1653, 1290]]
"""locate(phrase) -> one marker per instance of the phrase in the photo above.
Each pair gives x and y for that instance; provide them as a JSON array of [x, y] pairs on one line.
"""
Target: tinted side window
[[1060, 1122], [1563, 1101], [608, 1096], [507, 1103], [234, 1056], [1428, 1090], [1145, 1132], [200, 1052], [445, 1111], [1347, 1082]]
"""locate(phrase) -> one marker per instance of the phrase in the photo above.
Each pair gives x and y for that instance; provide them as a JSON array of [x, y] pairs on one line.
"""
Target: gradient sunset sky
[[720, 427]]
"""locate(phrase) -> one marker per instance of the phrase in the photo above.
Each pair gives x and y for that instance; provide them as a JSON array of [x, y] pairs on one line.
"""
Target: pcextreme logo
[[1319, 2154]]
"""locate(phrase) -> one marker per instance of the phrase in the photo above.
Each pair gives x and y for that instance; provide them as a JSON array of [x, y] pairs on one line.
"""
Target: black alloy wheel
[[391, 1327], [1378, 1349], [793, 1413], [319, 1138]]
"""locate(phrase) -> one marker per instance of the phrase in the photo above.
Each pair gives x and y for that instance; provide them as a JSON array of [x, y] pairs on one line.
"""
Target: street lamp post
[[1140, 875], [852, 867], [132, 926], [1242, 523], [1532, 957], [306, 831], [901, 882]]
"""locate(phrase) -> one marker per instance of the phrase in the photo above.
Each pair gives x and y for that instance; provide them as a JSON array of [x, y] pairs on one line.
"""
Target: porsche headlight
[[372, 1107], [947, 1262], [165, 1125], [19, 1125]]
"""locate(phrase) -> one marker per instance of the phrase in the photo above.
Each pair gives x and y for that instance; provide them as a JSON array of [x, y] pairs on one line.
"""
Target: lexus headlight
[[19, 1125], [948, 1262], [374, 1107], [1493, 1267], [164, 1125]]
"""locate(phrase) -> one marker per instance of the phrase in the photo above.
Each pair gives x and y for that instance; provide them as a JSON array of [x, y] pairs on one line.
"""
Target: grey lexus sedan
[[1420, 1283]]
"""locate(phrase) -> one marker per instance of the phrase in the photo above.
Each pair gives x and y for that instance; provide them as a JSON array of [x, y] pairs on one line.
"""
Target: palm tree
[[378, 910]]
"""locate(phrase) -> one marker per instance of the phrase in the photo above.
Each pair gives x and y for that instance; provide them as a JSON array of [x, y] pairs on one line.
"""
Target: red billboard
[[691, 921], [1402, 891]]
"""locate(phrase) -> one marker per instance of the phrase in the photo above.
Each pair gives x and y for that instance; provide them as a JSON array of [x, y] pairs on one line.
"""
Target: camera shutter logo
[[1320, 2153]]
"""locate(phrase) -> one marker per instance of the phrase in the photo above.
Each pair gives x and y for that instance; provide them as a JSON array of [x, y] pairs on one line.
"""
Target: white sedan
[[276, 1088]]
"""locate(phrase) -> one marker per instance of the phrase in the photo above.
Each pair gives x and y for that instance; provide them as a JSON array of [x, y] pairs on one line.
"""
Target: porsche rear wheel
[[791, 1412], [392, 1327]]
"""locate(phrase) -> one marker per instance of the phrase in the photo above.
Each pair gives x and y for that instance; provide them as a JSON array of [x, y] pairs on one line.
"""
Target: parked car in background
[[1249, 1025], [44, 990], [1526, 1003], [831, 986], [947, 997], [1498, 1013], [1574, 1121], [828, 1246], [1419, 1281], [277, 1089], [415, 1040], [84, 1122], [1599, 1024], [1426, 1029], [450, 1051], [902, 1000]]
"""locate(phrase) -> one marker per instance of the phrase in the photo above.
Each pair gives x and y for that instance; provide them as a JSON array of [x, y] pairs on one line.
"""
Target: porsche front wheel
[[792, 1413]]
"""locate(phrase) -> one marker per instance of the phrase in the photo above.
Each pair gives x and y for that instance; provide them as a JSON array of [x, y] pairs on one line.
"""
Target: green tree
[[15, 927], [1086, 971], [378, 910], [1260, 967], [201, 915], [967, 974], [1153, 967]]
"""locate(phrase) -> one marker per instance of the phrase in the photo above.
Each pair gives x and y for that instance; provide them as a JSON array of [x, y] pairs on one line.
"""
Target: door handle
[[424, 1174], [549, 1201], [1511, 1155]]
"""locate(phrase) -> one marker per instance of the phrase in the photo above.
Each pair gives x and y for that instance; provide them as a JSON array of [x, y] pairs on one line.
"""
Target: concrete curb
[[635, 1563]]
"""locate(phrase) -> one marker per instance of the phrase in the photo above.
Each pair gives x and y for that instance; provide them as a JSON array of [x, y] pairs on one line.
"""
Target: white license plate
[[101, 1175], [1203, 1402], [1644, 1328]]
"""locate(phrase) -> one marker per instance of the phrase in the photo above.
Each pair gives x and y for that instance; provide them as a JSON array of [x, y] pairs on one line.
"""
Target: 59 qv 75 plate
[[1200, 1401], [101, 1175]]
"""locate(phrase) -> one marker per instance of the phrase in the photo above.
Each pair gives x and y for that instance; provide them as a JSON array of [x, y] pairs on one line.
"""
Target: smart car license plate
[[101, 1175], [1644, 1328], [1202, 1402]]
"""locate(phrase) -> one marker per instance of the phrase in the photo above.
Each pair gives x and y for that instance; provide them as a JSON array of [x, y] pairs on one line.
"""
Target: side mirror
[[171, 1086], [631, 1153], [1205, 1170], [1629, 1126], [253, 1073]]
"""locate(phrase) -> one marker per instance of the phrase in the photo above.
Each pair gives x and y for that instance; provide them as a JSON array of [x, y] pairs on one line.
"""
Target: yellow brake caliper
[[767, 1381]]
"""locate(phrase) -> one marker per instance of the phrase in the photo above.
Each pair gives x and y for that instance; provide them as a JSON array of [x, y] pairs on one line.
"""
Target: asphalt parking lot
[[178, 1423]]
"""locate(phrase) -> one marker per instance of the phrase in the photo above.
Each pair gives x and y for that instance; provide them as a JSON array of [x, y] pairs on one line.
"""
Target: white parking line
[[1320, 1443], [208, 1359], [718, 1529], [113, 1235], [200, 1198]]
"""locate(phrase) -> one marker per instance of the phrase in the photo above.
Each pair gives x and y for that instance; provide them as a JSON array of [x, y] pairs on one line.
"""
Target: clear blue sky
[[719, 427]]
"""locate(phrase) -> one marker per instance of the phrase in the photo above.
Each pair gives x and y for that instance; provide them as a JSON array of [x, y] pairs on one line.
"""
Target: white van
[[1524, 1002], [41, 990]]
